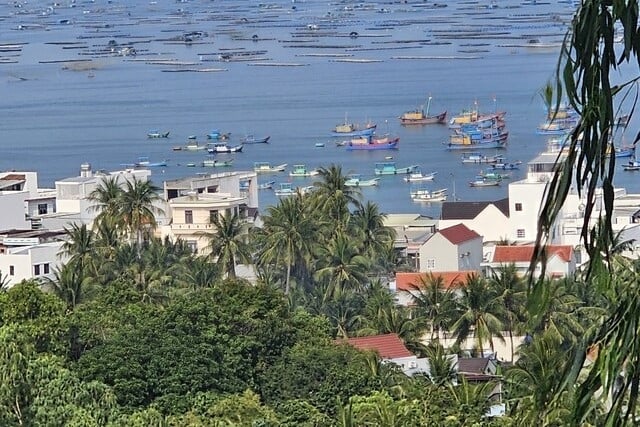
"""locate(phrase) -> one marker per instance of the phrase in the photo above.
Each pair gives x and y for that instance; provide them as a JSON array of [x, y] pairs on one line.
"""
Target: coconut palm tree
[[80, 250], [137, 208], [67, 284], [435, 303], [288, 236], [106, 197], [480, 310], [341, 266], [228, 243], [334, 197], [376, 238], [511, 290]]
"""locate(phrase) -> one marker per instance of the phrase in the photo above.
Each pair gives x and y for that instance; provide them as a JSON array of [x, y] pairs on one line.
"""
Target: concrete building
[[30, 254], [455, 248], [20, 199], [480, 217], [561, 261]]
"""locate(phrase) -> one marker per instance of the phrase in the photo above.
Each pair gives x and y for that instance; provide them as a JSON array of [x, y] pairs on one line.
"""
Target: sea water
[[53, 119]]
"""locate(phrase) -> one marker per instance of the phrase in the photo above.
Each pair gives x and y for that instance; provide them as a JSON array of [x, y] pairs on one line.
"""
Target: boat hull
[[393, 145], [409, 119]]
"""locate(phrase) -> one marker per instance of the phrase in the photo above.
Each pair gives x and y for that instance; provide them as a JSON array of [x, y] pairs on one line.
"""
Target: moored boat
[[476, 158], [633, 165], [287, 189], [217, 135], [480, 181], [420, 177], [302, 171], [373, 143], [251, 139], [144, 162], [423, 195], [216, 163], [421, 117], [355, 180], [223, 147], [506, 166], [354, 129], [266, 167], [157, 134], [389, 168]]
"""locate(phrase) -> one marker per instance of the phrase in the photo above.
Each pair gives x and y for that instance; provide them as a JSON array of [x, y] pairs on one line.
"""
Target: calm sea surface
[[53, 119]]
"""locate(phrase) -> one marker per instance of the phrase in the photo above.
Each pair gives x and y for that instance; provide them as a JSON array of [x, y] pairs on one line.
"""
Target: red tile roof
[[509, 254], [388, 346], [450, 279], [459, 233]]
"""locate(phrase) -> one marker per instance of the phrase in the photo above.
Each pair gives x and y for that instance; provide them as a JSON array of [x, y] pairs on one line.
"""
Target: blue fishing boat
[[373, 143], [389, 168], [347, 129]]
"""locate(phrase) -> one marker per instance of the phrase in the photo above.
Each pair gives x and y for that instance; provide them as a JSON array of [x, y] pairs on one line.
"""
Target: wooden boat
[[353, 129], [355, 180], [251, 139], [144, 162], [266, 185], [265, 167], [216, 163], [389, 168], [476, 158], [157, 134], [422, 195], [473, 117], [222, 147], [420, 177], [559, 122], [373, 143], [483, 182], [421, 117], [219, 136], [621, 152], [302, 171], [193, 147], [493, 175], [477, 138]]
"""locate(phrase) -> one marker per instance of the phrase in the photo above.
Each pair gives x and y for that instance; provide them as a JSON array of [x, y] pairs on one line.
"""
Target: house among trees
[[407, 285], [561, 260], [390, 347], [455, 248], [481, 217]]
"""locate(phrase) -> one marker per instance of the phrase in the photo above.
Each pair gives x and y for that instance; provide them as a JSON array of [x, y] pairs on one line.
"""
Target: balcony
[[192, 227]]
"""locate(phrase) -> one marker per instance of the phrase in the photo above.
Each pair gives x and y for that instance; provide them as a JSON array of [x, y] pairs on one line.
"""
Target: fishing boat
[[620, 152], [266, 167], [266, 185], [633, 165], [373, 143], [476, 158], [473, 117], [193, 146], [506, 166], [216, 163], [494, 175], [480, 181], [477, 139], [157, 134], [251, 139], [423, 195], [223, 147], [389, 168], [354, 129], [144, 162], [559, 122], [420, 177], [219, 136], [302, 171], [287, 189], [355, 180], [421, 117]]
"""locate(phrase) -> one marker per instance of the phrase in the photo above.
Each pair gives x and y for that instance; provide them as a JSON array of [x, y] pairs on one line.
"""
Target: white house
[[480, 217], [407, 285], [29, 254], [391, 348], [561, 261], [19, 197], [455, 248]]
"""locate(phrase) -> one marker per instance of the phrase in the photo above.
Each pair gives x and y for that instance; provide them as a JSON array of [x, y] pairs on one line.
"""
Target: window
[[519, 207], [431, 264], [192, 245], [520, 233], [213, 216], [46, 268], [36, 270], [42, 209], [12, 270], [188, 217]]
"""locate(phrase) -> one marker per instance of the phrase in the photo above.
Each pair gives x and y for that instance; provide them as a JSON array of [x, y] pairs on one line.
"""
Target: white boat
[[633, 165], [302, 171], [420, 177], [287, 189], [266, 167], [423, 195], [357, 181]]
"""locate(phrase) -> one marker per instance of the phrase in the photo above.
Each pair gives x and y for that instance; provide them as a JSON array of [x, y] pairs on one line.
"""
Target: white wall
[[442, 251], [23, 260], [491, 223], [529, 195], [12, 213]]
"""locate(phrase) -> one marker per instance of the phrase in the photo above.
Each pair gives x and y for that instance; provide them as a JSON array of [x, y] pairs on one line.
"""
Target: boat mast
[[426, 114]]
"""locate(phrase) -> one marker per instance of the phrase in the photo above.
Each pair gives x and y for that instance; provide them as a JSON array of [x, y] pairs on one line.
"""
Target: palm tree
[[200, 272], [288, 235], [137, 209], [80, 249], [67, 284], [480, 311], [334, 197], [341, 266], [435, 303], [106, 197], [228, 243], [369, 222], [512, 292]]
